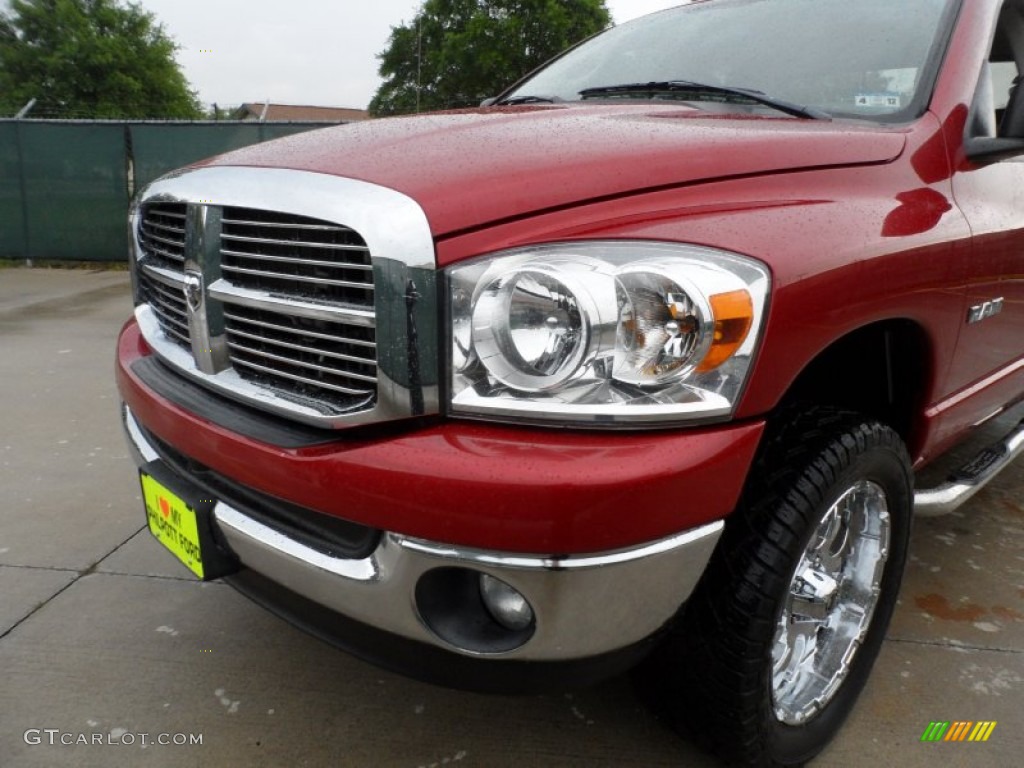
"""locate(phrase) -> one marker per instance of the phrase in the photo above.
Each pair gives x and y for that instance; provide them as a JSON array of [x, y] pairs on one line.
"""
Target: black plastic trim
[[227, 413], [333, 536], [429, 663], [987, 149]]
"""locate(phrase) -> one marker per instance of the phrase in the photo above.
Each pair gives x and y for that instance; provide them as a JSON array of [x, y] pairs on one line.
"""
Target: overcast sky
[[319, 52]]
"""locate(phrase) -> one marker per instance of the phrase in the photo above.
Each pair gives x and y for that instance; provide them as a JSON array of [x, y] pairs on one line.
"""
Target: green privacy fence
[[65, 186]]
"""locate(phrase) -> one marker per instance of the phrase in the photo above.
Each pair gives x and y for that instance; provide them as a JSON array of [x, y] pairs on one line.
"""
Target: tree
[[457, 52], [217, 112], [6, 30], [90, 59]]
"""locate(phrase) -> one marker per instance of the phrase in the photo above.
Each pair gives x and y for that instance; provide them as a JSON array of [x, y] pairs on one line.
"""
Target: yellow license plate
[[173, 523]]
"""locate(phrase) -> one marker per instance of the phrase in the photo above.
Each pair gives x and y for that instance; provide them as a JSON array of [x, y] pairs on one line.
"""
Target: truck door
[[988, 370]]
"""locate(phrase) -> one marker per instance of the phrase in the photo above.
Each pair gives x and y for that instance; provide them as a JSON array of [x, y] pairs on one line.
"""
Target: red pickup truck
[[635, 362]]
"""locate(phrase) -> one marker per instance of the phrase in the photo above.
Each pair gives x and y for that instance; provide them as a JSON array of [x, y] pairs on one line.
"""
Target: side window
[[1003, 74], [1005, 63], [997, 85]]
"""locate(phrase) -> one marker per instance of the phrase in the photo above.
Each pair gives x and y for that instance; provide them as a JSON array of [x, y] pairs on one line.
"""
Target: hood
[[472, 168]]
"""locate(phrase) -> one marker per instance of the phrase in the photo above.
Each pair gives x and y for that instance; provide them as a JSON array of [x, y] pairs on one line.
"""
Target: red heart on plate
[[165, 508]]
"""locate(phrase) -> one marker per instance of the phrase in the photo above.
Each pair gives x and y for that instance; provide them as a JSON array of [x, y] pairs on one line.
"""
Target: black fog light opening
[[451, 604]]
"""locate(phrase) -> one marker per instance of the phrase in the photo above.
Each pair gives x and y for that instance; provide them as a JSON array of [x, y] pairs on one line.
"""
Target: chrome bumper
[[584, 606]]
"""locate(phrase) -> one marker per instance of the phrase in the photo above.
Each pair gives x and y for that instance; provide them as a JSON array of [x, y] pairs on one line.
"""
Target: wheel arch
[[880, 370]]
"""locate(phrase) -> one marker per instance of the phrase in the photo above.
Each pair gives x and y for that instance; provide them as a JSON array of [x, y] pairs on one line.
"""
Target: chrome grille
[[295, 255], [162, 245], [313, 358], [162, 233], [259, 284], [170, 308], [324, 363]]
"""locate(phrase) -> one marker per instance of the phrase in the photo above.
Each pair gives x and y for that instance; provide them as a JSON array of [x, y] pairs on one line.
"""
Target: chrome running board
[[971, 477]]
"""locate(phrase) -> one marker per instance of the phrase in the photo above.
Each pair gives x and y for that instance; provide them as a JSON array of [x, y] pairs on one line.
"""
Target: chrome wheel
[[831, 598], [779, 639]]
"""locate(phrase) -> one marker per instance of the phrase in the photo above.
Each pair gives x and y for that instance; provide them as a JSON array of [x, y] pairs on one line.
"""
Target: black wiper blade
[[529, 100], [684, 86]]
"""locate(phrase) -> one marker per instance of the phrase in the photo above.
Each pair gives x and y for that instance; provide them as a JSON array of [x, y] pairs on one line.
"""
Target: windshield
[[873, 59]]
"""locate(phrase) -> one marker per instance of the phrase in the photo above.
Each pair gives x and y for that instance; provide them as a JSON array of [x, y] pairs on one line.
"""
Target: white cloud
[[299, 52], [319, 52]]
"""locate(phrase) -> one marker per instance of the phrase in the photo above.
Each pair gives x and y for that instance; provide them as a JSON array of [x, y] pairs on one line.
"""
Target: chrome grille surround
[[305, 295]]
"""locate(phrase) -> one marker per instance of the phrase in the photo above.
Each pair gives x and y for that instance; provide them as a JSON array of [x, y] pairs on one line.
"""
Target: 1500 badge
[[980, 312]]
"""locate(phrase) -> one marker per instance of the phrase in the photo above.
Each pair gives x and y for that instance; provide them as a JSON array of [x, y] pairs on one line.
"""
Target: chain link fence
[[65, 185]]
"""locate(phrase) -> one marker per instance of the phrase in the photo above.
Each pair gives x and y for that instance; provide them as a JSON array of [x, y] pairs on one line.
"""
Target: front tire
[[778, 640]]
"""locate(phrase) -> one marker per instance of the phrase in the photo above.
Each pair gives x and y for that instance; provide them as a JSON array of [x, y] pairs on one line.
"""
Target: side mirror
[[489, 102], [985, 149]]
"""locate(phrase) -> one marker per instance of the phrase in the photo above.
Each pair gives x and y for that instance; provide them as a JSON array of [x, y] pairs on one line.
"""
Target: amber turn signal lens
[[734, 316]]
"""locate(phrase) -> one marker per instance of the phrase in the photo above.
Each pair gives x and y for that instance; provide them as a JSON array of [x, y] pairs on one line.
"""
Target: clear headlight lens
[[662, 326], [530, 330], [533, 327], [604, 332]]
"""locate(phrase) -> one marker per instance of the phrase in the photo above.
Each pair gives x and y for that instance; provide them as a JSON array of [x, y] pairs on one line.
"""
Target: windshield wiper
[[687, 86], [512, 100]]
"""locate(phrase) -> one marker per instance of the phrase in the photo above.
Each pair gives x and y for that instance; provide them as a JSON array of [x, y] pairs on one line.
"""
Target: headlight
[[604, 332], [533, 327]]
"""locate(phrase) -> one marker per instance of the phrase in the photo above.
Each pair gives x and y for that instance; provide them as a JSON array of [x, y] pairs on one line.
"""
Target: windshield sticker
[[885, 100]]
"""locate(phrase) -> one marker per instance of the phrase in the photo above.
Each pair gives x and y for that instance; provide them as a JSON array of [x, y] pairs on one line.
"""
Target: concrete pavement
[[104, 636]]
